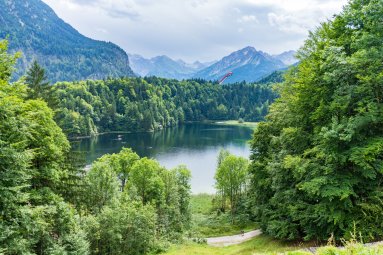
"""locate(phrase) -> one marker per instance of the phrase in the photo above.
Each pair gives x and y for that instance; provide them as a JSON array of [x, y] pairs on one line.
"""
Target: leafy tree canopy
[[318, 159]]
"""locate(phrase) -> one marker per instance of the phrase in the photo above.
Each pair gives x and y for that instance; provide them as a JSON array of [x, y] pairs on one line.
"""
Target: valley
[[206, 146]]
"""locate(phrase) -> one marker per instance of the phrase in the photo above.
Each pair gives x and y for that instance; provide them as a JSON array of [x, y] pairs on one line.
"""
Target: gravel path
[[230, 240]]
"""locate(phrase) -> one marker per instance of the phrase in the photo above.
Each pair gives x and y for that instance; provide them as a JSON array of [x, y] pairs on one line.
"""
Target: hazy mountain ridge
[[287, 57], [165, 67], [34, 29]]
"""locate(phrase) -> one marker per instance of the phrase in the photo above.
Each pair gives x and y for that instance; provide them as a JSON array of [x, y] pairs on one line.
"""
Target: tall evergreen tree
[[37, 81], [38, 85]]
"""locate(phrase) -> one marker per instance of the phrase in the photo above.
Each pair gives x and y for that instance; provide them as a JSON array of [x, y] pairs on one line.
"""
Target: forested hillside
[[136, 104], [274, 77], [33, 28], [318, 159]]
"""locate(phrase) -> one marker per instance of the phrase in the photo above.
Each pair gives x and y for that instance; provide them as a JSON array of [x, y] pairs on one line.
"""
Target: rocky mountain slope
[[33, 28], [247, 64]]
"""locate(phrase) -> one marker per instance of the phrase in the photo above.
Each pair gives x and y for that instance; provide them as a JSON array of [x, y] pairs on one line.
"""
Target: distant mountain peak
[[246, 64], [249, 48]]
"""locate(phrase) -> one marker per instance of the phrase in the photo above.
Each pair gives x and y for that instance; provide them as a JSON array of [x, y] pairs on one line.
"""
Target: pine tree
[[39, 86]]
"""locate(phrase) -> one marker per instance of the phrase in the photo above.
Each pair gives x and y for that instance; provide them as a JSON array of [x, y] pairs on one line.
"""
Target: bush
[[124, 229]]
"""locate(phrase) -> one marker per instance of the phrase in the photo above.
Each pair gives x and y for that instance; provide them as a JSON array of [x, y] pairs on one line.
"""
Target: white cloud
[[197, 3], [102, 30], [113, 8], [298, 16], [300, 5], [197, 29], [288, 23], [248, 19]]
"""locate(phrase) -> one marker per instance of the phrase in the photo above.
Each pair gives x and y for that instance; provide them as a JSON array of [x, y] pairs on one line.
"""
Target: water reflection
[[194, 145]]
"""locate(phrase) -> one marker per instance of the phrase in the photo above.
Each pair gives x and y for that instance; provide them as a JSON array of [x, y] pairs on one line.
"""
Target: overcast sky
[[192, 30]]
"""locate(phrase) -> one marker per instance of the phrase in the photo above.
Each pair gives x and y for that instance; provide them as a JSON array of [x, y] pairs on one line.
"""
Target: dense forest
[[317, 162], [274, 77], [143, 104], [123, 205]]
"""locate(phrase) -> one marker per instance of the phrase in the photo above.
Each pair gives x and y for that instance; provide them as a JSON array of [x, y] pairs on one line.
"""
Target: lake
[[195, 145]]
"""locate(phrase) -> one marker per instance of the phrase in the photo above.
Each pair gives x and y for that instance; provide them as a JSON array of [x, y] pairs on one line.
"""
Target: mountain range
[[246, 64], [33, 28], [165, 67]]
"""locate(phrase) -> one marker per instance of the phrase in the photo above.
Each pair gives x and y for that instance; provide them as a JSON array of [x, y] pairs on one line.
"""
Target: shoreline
[[251, 125]]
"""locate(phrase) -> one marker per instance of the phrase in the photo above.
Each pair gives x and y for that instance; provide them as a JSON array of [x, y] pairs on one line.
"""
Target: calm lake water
[[194, 145]]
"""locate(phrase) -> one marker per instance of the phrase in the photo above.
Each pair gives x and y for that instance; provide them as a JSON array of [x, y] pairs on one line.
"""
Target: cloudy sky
[[192, 30]]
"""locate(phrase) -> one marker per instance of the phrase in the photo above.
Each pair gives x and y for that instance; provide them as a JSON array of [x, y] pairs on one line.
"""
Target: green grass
[[258, 246], [237, 123], [201, 203], [211, 226], [265, 245], [207, 223]]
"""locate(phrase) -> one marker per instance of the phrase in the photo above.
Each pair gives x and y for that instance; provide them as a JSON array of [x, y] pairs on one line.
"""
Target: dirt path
[[230, 240]]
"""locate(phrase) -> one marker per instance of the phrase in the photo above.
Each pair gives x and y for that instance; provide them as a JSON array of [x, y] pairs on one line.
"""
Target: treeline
[[142, 104], [317, 161], [123, 205]]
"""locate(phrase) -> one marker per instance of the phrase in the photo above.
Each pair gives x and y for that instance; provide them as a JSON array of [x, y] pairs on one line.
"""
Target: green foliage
[[231, 179], [147, 181], [124, 228], [36, 80], [7, 62], [34, 218], [38, 85], [208, 222], [183, 187], [274, 77], [318, 159], [223, 154], [133, 205], [134, 104], [102, 187]]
